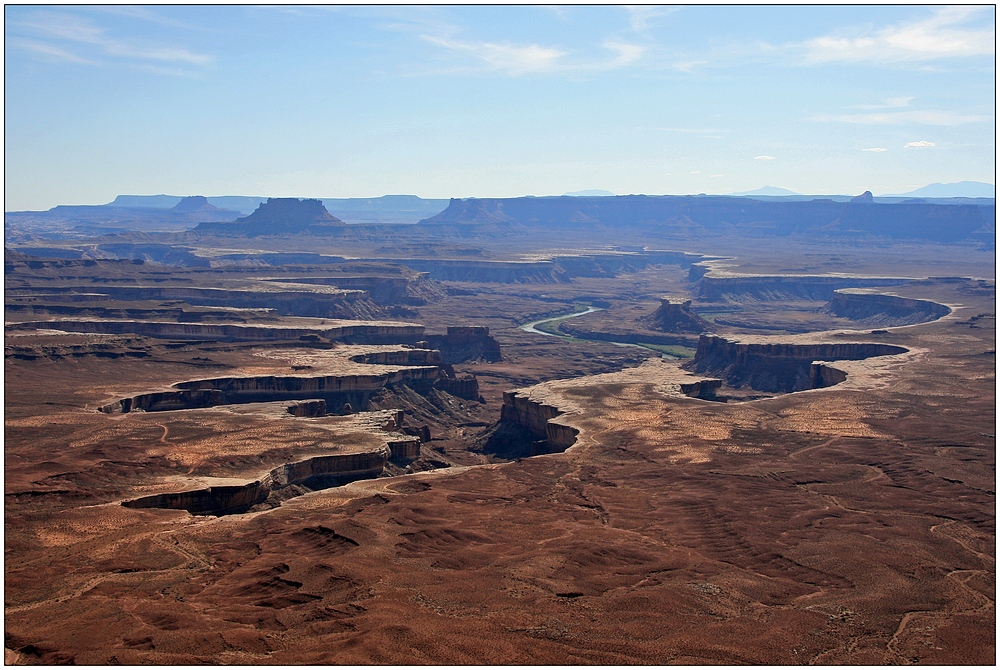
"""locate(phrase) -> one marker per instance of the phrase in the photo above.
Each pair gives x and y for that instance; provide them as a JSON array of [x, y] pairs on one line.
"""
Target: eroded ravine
[[529, 424]]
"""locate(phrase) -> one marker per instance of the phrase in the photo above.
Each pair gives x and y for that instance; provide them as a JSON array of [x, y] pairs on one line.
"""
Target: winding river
[[531, 328]]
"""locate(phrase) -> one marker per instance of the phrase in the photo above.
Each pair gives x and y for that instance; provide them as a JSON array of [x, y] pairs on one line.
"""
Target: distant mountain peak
[[961, 189]]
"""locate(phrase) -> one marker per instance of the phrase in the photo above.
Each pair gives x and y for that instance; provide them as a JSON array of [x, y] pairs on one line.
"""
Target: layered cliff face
[[466, 343], [778, 367], [400, 357], [460, 386], [405, 448], [676, 317], [874, 309], [537, 418], [313, 473], [308, 408], [352, 459], [287, 299], [383, 290], [502, 272], [353, 333], [336, 390], [704, 389], [423, 371], [784, 287], [557, 268]]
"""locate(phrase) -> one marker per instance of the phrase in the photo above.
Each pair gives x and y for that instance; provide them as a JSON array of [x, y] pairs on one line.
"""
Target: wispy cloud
[[942, 35], [697, 131], [560, 11], [87, 36], [627, 53], [921, 144], [928, 117], [688, 66], [764, 158], [876, 149], [48, 51], [64, 26], [509, 58], [146, 14], [888, 103], [640, 16], [416, 19], [165, 54], [516, 60], [710, 133]]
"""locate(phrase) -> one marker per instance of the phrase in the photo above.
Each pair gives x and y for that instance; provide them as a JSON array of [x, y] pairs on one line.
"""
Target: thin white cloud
[[640, 16], [80, 31], [942, 35], [708, 133], [695, 172], [763, 158], [421, 20], [64, 26], [877, 150], [559, 10], [627, 53], [516, 60], [921, 144], [687, 67], [505, 57], [48, 51], [696, 131], [888, 103], [169, 55], [144, 14], [928, 117]]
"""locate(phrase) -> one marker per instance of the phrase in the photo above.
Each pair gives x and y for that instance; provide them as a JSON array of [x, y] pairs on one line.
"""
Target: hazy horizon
[[470, 101], [769, 191]]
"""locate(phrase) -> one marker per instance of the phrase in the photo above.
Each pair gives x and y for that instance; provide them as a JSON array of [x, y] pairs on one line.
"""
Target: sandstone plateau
[[482, 440]]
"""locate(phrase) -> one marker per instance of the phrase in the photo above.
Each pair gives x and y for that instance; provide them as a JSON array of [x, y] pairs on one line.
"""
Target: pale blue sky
[[460, 101]]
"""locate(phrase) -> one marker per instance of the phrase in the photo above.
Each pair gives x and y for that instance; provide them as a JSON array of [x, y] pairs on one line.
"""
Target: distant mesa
[[760, 217], [151, 201], [195, 204], [231, 203], [291, 212], [473, 210], [280, 216], [864, 197]]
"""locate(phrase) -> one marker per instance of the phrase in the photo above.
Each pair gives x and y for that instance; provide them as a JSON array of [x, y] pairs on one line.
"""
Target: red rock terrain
[[850, 524]]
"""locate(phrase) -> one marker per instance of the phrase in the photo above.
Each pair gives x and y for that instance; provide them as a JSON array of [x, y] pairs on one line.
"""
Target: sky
[[492, 101]]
